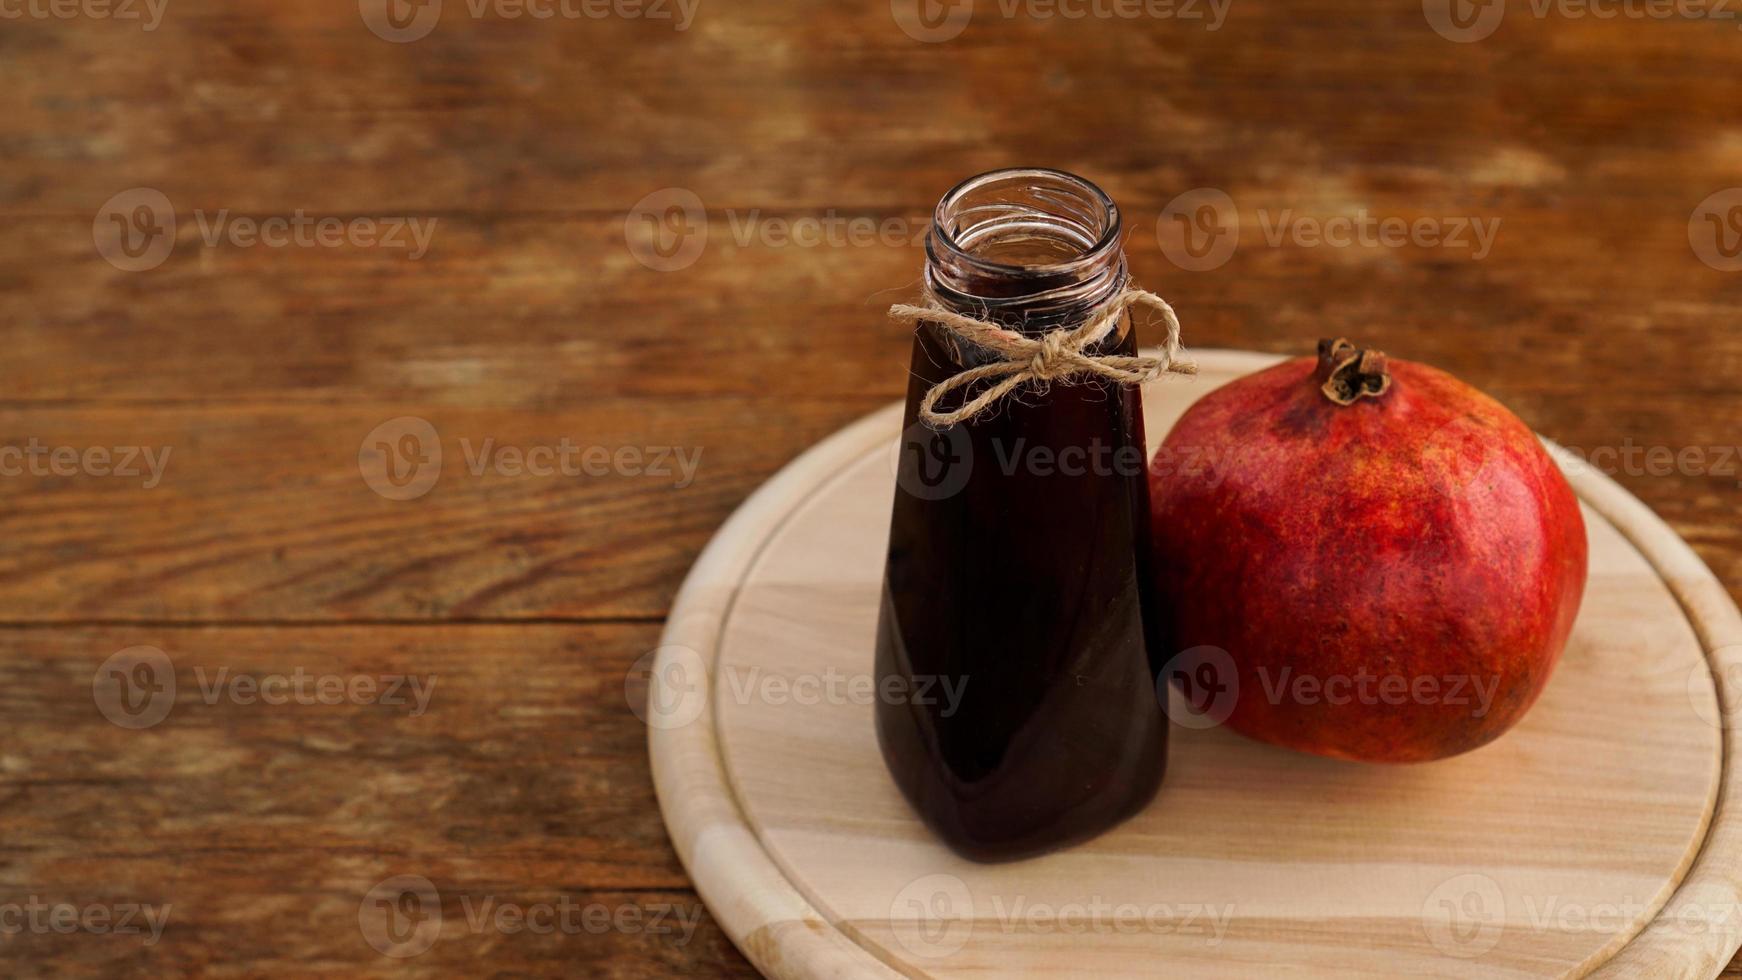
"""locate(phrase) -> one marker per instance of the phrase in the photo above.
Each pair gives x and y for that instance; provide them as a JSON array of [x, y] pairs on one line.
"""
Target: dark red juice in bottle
[[1017, 576]]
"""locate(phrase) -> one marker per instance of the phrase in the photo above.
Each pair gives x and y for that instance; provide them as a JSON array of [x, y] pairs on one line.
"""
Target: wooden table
[[539, 312]]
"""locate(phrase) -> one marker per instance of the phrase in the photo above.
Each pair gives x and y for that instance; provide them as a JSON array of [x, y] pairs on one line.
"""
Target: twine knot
[[1057, 355], [1051, 359]]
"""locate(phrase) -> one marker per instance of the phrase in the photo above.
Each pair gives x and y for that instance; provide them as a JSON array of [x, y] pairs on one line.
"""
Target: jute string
[[1058, 355]]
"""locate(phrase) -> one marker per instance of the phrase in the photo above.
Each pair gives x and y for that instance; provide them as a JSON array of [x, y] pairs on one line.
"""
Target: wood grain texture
[[520, 778], [780, 802], [529, 142]]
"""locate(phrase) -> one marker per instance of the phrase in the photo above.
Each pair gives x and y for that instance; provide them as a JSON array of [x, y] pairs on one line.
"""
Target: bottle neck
[[1031, 249]]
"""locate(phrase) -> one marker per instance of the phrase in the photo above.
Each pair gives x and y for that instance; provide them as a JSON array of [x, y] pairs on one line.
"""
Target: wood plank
[[526, 765], [318, 931], [262, 513], [264, 826], [749, 105]]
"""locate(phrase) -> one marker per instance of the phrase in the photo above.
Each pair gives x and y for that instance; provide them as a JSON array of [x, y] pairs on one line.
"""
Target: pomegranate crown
[[1348, 373]]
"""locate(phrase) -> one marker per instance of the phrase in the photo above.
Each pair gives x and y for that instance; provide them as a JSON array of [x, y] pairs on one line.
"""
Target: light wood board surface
[[1563, 848]]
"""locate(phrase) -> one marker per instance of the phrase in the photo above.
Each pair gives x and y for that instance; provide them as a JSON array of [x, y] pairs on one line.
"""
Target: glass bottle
[[1017, 590]]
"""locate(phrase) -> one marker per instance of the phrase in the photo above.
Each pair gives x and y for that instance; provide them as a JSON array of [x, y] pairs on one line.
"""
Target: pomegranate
[[1362, 558]]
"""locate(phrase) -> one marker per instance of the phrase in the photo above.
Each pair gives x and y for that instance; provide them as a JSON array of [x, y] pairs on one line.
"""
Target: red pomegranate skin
[[1419, 533]]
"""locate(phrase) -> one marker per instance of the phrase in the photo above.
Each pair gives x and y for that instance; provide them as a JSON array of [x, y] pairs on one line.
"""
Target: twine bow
[[1058, 355]]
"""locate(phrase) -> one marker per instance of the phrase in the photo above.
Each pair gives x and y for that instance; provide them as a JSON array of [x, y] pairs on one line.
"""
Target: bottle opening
[[1028, 247]]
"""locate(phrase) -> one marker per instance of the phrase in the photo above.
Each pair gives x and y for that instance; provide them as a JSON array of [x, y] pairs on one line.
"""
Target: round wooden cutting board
[[1596, 837]]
